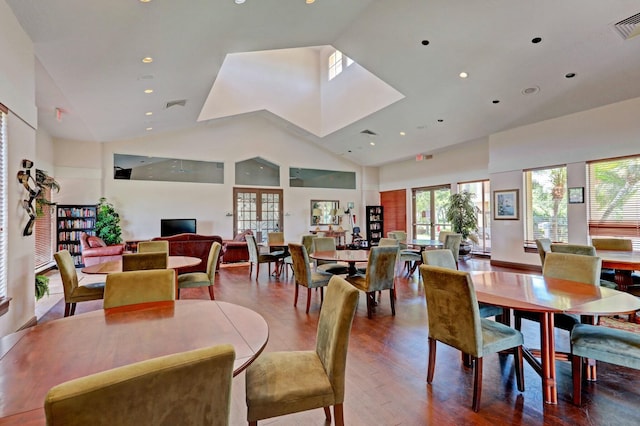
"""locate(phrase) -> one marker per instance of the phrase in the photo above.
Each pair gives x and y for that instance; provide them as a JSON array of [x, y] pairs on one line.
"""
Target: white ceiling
[[89, 63]]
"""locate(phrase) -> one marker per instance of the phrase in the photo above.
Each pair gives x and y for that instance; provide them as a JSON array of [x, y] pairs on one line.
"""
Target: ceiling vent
[[629, 27], [369, 132], [181, 102]]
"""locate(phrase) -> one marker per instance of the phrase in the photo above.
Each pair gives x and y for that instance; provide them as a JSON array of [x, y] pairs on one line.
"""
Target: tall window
[[546, 204], [43, 233], [429, 212], [614, 198], [482, 200], [3, 201]]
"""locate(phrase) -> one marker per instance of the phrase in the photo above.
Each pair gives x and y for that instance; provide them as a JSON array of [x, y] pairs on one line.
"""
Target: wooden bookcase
[[375, 228], [71, 221]]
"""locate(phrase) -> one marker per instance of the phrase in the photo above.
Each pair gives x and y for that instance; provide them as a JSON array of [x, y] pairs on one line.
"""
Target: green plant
[[108, 223], [42, 286], [462, 213], [44, 181]]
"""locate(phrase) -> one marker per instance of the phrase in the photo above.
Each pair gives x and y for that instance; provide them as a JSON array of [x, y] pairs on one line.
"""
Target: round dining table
[[350, 256], [37, 358], [173, 262]]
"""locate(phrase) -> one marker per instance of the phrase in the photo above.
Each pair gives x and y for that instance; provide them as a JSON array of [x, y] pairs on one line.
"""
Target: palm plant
[[462, 213]]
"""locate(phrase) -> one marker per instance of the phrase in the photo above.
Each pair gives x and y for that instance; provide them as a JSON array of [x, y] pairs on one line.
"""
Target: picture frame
[[576, 195], [506, 204]]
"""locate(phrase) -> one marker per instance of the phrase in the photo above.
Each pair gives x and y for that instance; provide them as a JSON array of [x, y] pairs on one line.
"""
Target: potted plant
[[42, 286], [44, 181], [108, 223], [462, 213]]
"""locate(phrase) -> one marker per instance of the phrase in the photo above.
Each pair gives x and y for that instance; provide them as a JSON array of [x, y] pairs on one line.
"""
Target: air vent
[[369, 132], [629, 27], [181, 102]]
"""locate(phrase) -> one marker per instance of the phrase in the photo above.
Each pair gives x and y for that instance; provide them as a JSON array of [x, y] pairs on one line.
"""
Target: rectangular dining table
[[623, 262], [548, 296]]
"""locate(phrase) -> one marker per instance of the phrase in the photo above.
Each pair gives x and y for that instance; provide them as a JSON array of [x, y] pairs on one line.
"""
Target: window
[[3, 201], [336, 63], [482, 199], [429, 212], [43, 234], [546, 204], [614, 198]]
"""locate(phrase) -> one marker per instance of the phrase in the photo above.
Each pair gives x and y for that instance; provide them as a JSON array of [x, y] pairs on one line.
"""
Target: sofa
[[95, 251], [236, 250], [193, 245]]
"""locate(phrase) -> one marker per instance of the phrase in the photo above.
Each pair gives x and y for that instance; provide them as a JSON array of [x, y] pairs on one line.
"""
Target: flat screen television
[[169, 227]]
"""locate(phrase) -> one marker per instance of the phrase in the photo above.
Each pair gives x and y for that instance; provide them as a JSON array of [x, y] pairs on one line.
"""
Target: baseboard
[[514, 265], [32, 321]]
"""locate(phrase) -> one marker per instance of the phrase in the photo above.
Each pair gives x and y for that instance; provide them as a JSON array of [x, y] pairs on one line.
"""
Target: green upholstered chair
[[304, 275], [202, 279], [452, 242], [187, 388], [307, 242], [330, 266], [280, 383], [610, 345], [144, 261], [256, 258], [73, 291], [454, 319], [410, 258], [151, 246], [567, 266], [388, 242], [586, 251], [129, 288], [444, 259], [380, 276], [619, 244], [544, 247]]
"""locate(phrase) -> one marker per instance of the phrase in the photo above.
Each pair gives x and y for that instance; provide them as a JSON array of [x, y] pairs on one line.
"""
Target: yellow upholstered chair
[[256, 258], [307, 242], [280, 383], [129, 288], [187, 388], [452, 242], [544, 247], [330, 266], [380, 276], [618, 244], [454, 320], [73, 292], [202, 279], [388, 242], [151, 246], [409, 257], [143, 261], [304, 275]]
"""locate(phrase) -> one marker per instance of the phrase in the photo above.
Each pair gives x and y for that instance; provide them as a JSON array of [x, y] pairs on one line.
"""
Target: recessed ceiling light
[[463, 75], [148, 91], [310, 1], [496, 101], [440, 120], [145, 1], [536, 40], [239, 1], [149, 128], [148, 113], [372, 143], [570, 75], [425, 42], [530, 90], [147, 59], [402, 133]]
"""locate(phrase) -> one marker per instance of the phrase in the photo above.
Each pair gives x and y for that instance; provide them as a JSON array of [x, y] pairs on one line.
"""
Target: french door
[[429, 211], [257, 209]]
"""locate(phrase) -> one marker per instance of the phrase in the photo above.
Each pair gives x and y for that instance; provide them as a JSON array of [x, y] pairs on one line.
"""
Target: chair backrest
[[334, 328], [544, 247], [153, 246], [388, 242], [68, 273], [143, 261], [401, 236], [212, 260], [301, 268], [620, 244], [381, 268], [252, 248], [307, 242], [452, 306], [442, 236], [129, 288], [452, 242], [275, 237], [574, 267], [191, 387], [574, 249], [441, 257], [324, 244]]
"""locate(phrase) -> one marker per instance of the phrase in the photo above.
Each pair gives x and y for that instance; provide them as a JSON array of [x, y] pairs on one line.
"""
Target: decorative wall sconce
[[33, 189]]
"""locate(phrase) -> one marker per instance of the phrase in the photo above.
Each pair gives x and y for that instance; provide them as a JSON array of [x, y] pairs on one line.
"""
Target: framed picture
[[505, 204], [576, 195]]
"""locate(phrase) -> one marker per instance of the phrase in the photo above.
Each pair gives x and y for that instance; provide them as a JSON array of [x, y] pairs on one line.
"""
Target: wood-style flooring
[[387, 364]]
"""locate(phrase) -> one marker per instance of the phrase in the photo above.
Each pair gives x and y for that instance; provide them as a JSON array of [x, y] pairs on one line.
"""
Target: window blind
[[3, 201], [44, 235]]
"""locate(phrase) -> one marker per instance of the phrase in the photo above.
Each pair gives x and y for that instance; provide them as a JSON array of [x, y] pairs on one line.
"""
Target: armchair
[[95, 251]]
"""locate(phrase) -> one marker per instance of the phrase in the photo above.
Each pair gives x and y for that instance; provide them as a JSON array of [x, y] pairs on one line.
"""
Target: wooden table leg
[[548, 358]]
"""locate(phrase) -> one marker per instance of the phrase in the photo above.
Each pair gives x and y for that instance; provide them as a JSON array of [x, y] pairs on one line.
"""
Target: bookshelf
[[375, 229], [71, 221]]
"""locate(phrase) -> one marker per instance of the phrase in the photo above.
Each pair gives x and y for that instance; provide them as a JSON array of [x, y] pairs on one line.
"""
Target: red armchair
[[95, 251]]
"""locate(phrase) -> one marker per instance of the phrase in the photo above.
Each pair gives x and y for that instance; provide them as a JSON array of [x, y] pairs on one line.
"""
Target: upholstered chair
[[410, 258], [567, 266], [304, 275], [544, 247], [143, 261], [380, 276], [307, 242], [130, 288], [256, 258], [583, 250], [280, 383], [73, 292], [151, 246], [187, 388], [333, 267], [444, 259], [452, 242], [610, 345], [454, 319], [202, 279], [618, 244]]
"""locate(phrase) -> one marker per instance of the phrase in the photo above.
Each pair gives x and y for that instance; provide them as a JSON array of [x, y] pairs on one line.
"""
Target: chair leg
[[321, 295], [308, 298], [477, 383], [211, 294], [253, 423], [393, 302], [250, 269], [67, 309], [338, 414], [576, 372], [295, 298], [519, 368], [327, 414], [371, 299], [432, 359], [73, 309], [467, 361], [517, 322]]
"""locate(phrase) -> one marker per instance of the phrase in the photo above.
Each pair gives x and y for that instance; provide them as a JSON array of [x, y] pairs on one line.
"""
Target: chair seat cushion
[[280, 383], [319, 279], [193, 279], [333, 268], [86, 292], [562, 321], [620, 347], [487, 310], [608, 284], [359, 281], [497, 337]]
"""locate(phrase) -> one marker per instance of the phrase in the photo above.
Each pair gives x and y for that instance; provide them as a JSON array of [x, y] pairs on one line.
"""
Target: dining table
[[623, 262], [35, 359], [349, 256], [423, 244], [549, 296]]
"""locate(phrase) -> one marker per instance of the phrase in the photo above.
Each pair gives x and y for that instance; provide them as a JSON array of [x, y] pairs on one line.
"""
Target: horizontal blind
[[614, 198], [43, 234], [3, 201]]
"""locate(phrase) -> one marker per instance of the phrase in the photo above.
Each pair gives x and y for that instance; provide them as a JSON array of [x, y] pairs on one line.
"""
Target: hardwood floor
[[387, 364]]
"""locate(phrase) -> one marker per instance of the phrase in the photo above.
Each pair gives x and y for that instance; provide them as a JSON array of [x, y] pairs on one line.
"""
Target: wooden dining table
[[37, 358], [349, 256], [623, 262], [548, 296]]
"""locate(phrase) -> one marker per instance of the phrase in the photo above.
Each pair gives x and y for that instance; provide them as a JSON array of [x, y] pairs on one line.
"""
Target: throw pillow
[[95, 242]]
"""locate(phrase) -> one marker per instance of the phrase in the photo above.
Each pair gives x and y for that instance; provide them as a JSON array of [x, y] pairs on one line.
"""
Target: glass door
[[428, 212], [482, 200], [259, 210]]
